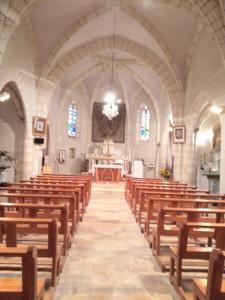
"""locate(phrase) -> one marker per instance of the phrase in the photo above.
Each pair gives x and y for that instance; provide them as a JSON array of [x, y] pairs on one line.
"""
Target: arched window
[[72, 120], [144, 123]]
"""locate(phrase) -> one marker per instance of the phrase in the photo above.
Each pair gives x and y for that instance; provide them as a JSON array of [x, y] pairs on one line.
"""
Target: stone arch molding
[[198, 112], [210, 12], [170, 80], [18, 78]]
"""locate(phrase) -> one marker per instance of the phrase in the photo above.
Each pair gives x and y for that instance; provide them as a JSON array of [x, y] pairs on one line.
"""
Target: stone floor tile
[[110, 258]]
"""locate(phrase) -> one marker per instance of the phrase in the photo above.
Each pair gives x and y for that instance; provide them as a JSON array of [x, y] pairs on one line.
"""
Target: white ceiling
[[151, 26]]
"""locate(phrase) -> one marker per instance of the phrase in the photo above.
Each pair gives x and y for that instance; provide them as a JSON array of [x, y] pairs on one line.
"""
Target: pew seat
[[28, 286], [212, 287]]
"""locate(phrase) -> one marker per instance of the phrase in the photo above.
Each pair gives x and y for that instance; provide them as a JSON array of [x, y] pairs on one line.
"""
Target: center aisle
[[109, 258]]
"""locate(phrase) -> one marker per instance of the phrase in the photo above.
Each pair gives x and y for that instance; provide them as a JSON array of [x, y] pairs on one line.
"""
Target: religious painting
[[179, 134], [103, 128], [39, 126]]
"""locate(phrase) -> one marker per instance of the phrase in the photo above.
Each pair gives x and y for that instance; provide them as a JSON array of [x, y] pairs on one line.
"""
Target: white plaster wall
[[165, 116], [73, 165], [18, 66], [19, 57], [143, 150], [222, 155], [207, 72]]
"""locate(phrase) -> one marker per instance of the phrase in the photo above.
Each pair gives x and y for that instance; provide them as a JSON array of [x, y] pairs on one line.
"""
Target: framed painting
[[102, 128], [179, 134], [39, 126]]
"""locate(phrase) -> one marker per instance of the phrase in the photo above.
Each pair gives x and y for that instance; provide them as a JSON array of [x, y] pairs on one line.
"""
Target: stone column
[[222, 155]]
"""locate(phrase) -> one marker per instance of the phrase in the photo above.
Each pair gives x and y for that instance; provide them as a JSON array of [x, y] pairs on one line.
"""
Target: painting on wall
[[39, 126], [102, 128], [179, 134]]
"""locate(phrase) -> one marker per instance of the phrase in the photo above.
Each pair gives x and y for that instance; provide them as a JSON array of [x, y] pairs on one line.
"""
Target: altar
[[117, 165], [107, 173], [120, 162]]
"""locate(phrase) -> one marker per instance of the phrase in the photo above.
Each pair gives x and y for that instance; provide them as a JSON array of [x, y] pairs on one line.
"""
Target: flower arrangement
[[165, 173]]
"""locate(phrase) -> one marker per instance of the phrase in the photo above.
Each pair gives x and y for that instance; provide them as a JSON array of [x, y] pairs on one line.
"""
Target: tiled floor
[[109, 258]]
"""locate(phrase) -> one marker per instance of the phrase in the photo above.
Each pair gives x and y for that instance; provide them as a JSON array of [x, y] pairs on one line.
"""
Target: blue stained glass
[[72, 120], [145, 124]]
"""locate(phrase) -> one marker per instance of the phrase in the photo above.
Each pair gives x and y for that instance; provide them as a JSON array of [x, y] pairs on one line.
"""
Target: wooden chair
[[212, 288], [27, 287]]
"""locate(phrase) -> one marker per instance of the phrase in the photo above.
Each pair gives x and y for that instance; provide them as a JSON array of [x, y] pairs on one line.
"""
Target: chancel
[[117, 164]]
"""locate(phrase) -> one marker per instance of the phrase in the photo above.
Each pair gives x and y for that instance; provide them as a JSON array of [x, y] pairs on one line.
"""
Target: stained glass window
[[72, 120], [145, 123]]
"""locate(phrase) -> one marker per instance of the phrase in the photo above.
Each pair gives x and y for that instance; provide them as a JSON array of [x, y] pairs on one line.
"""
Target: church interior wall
[[206, 72], [143, 150], [18, 57]]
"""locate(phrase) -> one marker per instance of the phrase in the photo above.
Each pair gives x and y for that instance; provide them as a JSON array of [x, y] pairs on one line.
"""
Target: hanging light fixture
[[4, 96], [110, 110]]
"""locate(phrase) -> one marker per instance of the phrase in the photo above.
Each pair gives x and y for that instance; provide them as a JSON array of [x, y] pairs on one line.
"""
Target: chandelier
[[4, 96], [110, 110]]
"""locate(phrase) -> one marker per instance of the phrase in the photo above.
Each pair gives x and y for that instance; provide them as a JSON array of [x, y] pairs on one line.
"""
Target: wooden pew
[[88, 178], [138, 188], [77, 188], [141, 205], [64, 182], [43, 211], [10, 228], [74, 214], [27, 287], [45, 198], [184, 251], [155, 203], [168, 226], [212, 288], [155, 184], [129, 181]]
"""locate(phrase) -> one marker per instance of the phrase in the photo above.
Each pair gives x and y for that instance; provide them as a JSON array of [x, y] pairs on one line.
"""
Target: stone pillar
[[222, 155]]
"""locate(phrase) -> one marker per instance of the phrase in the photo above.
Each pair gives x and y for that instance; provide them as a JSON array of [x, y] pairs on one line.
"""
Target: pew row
[[50, 199], [155, 203], [167, 229], [88, 178], [212, 288], [11, 228], [192, 253], [42, 211], [86, 195], [28, 286], [141, 206], [38, 188]]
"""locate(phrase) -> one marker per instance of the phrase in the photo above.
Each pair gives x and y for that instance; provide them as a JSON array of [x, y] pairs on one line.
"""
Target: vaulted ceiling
[[151, 42]]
